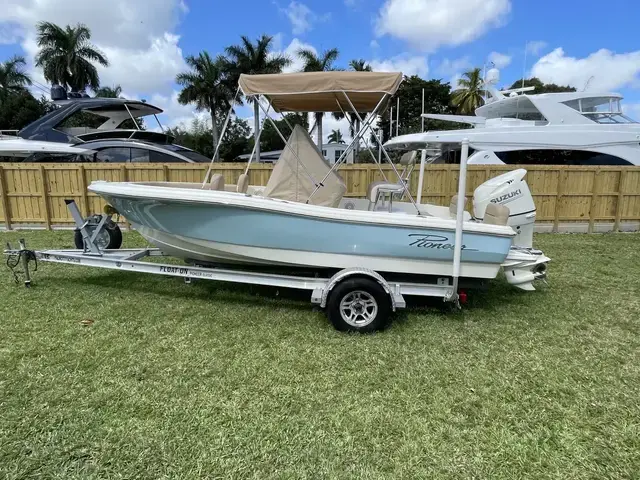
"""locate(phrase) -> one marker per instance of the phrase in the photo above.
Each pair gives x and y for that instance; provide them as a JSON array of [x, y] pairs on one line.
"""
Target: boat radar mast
[[491, 80]]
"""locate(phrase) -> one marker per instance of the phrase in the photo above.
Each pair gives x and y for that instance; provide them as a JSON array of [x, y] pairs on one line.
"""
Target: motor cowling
[[511, 190]]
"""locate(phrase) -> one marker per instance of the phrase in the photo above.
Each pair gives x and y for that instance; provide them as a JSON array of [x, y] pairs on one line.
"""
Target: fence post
[[44, 197], [562, 179], [616, 224], [3, 199], [83, 189], [165, 172], [594, 199]]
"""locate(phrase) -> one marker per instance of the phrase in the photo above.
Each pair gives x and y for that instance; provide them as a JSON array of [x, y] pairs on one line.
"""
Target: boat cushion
[[496, 214], [453, 206], [381, 186], [217, 182], [243, 183]]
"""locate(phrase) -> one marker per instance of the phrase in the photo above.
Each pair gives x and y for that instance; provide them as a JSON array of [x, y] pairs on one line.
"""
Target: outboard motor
[[510, 190]]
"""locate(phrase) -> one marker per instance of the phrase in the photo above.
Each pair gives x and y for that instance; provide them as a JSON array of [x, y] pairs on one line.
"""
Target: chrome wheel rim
[[358, 308]]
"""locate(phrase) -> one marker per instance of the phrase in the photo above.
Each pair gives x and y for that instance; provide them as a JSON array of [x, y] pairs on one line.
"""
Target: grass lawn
[[211, 380]]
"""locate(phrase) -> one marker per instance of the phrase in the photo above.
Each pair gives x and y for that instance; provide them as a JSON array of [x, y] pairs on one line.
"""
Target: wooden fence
[[33, 195]]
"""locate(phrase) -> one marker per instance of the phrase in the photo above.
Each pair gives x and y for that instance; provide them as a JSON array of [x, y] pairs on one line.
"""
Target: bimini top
[[322, 91]]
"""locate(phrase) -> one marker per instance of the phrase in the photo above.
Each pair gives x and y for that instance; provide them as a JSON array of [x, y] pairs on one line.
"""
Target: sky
[[573, 42]]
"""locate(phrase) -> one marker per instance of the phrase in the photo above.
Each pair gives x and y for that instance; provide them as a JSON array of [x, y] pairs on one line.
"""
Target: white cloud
[[291, 51], [142, 49], [409, 65], [302, 17], [374, 44], [329, 123], [454, 81], [603, 70], [174, 113], [115, 23], [451, 67], [428, 24], [145, 70], [535, 47], [276, 41], [500, 60]]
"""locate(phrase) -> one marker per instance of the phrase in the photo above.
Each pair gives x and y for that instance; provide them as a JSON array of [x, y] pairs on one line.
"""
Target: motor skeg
[[511, 190]]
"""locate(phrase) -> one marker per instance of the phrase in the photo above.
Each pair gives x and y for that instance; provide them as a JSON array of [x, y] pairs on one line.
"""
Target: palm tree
[[335, 137], [255, 58], [468, 96], [315, 63], [67, 56], [207, 86], [109, 92], [12, 76], [360, 65]]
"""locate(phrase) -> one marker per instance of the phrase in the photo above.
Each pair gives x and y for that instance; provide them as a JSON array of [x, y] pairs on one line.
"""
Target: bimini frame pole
[[462, 186], [423, 158], [256, 145], [224, 130], [350, 146], [375, 160], [384, 151]]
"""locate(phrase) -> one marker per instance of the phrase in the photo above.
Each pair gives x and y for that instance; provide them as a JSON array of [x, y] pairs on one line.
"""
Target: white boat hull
[[218, 252]]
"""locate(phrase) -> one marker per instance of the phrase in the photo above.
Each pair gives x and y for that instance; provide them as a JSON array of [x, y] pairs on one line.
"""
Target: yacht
[[515, 127], [111, 128]]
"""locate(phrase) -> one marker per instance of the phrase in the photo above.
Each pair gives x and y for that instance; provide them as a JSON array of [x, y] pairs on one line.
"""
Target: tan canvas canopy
[[322, 91], [290, 178]]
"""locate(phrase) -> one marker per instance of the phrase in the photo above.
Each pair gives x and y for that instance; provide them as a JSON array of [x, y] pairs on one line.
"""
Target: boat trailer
[[355, 299]]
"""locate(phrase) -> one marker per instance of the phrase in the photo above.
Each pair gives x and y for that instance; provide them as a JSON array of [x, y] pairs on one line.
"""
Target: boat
[[301, 220], [109, 126], [515, 127]]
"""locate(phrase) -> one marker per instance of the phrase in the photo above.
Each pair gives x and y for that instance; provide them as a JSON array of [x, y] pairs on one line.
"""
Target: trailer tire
[[111, 237], [359, 305]]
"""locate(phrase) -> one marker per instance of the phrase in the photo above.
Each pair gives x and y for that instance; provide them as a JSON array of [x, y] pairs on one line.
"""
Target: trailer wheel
[[110, 238], [359, 305]]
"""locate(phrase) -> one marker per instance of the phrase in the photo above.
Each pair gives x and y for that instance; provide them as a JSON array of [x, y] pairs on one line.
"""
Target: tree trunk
[[356, 147], [256, 127], [319, 116], [214, 135]]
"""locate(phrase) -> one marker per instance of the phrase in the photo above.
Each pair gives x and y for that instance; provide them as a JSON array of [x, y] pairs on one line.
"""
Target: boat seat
[[243, 183], [381, 186], [217, 182], [496, 214], [395, 189], [453, 206]]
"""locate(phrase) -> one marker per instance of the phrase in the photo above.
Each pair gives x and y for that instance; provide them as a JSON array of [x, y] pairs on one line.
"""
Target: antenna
[[588, 82], [524, 74], [524, 66]]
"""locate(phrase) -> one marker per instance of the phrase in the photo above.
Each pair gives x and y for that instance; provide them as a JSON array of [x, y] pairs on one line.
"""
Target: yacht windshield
[[600, 109]]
